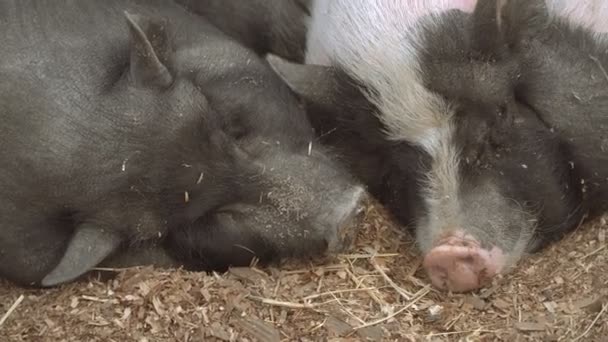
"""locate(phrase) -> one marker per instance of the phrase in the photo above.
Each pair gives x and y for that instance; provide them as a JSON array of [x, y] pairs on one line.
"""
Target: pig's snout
[[459, 263], [345, 217]]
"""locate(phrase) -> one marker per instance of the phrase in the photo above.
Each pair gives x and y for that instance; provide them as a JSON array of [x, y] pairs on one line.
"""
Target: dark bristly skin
[[266, 26], [564, 79], [131, 126], [468, 125]]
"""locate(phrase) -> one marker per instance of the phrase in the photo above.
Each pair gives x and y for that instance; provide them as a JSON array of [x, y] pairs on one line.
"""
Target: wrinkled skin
[[265, 26], [131, 125], [459, 123]]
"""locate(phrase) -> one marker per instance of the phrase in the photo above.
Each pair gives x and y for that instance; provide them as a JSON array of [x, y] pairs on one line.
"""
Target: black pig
[[129, 123]]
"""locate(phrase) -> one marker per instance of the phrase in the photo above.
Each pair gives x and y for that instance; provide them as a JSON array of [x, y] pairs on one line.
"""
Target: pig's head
[[277, 188], [495, 181], [232, 158]]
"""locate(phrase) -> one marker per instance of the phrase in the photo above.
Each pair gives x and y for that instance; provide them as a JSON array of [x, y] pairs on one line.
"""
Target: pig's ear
[[89, 246], [150, 47], [523, 20], [497, 24], [486, 27], [319, 86], [313, 83]]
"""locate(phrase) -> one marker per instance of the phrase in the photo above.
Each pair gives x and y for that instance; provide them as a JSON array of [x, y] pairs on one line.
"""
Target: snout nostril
[[439, 272], [439, 276], [468, 260], [459, 263]]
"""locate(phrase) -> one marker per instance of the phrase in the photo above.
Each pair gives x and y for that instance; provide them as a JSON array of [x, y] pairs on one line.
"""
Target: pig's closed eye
[[235, 209], [239, 133], [236, 129], [528, 112]]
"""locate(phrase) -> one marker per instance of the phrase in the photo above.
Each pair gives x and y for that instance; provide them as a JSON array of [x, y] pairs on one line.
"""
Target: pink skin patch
[[458, 263]]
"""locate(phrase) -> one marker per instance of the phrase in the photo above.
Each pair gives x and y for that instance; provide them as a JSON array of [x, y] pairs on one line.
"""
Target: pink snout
[[458, 263]]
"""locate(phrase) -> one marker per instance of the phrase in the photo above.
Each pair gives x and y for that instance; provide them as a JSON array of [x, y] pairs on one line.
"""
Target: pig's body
[[565, 79], [128, 121], [454, 148]]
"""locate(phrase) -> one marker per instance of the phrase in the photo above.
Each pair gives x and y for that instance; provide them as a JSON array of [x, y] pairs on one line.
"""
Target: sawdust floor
[[376, 293]]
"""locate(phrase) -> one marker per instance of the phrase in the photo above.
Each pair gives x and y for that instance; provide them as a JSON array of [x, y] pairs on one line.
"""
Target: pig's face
[[290, 206], [279, 204], [502, 181], [502, 186]]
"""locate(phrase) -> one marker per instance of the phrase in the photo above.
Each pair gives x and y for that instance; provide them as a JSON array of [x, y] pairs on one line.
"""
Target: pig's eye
[[239, 133], [235, 128]]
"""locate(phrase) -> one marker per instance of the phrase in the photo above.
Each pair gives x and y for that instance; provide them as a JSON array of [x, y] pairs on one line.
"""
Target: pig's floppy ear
[[149, 49], [89, 246], [313, 83], [319, 86], [523, 20]]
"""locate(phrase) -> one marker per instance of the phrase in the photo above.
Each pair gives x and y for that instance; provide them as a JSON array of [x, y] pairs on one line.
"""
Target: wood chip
[[435, 312], [550, 306], [216, 330], [158, 306], [260, 330], [337, 327], [74, 302], [375, 333], [247, 273], [49, 323], [591, 304], [552, 338], [487, 293], [548, 294], [501, 304], [529, 326], [476, 302]]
